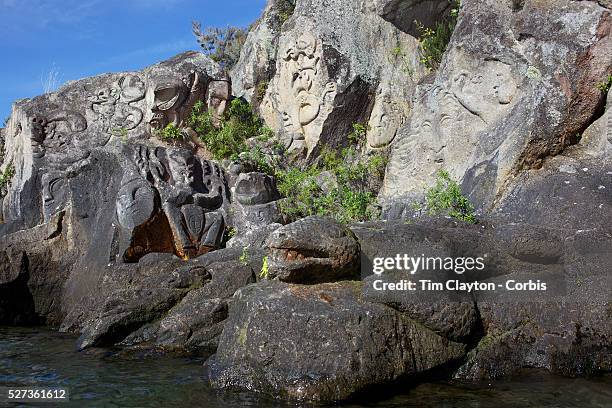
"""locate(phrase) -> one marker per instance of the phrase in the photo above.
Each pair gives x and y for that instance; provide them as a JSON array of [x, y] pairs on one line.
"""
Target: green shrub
[[238, 125], [358, 135], [446, 198], [169, 133], [433, 41], [6, 176], [244, 257], [264, 273], [285, 9], [605, 85], [261, 89], [347, 198], [121, 133], [398, 53]]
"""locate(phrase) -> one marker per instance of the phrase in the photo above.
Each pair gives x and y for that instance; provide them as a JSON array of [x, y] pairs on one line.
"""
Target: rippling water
[[43, 358]]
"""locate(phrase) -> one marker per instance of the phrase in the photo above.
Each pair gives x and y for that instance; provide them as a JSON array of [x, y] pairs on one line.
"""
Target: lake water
[[102, 378]]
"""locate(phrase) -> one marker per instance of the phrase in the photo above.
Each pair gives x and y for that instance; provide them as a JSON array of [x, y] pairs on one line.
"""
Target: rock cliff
[[118, 225]]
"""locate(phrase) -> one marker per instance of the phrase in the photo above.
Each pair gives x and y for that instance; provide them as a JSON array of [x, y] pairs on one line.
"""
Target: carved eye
[[165, 94]]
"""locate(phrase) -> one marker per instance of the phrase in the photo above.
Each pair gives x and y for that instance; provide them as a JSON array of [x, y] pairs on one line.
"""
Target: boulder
[[312, 250], [566, 331], [320, 343]]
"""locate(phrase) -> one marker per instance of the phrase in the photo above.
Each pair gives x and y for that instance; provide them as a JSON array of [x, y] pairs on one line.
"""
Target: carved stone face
[[255, 188], [168, 95], [481, 91], [135, 203], [53, 193], [385, 120], [219, 93]]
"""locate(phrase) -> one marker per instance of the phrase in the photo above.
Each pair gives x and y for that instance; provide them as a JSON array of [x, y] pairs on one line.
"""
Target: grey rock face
[[509, 93], [404, 13], [349, 345], [562, 330], [35, 264], [572, 190], [52, 138], [313, 250], [256, 65]]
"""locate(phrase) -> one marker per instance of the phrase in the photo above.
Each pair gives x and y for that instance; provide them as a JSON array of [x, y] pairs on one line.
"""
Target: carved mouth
[[157, 121], [292, 254]]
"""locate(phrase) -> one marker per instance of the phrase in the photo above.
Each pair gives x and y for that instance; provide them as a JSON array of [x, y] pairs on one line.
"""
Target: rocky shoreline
[[116, 230]]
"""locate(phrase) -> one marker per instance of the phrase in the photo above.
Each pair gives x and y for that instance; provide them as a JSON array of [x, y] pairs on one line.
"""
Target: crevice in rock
[[17, 305], [403, 14], [154, 236]]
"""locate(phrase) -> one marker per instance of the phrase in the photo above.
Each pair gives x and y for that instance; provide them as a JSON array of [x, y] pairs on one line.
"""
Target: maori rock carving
[[172, 202], [54, 131], [257, 197], [451, 113], [218, 94], [135, 202], [304, 98], [113, 105], [198, 191], [171, 98], [55, 193], [386, 118]]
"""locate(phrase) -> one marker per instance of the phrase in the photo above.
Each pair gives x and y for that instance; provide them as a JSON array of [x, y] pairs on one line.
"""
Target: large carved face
[[255, 188], [385, 120], [481, 91], [135, 203], [219, 93], [167, 94]]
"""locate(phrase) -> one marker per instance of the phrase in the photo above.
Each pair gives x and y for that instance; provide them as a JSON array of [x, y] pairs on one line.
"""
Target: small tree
[[222, 45]]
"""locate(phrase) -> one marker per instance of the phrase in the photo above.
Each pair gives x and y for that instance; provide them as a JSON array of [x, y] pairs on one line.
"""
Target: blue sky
[[80, 38]]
